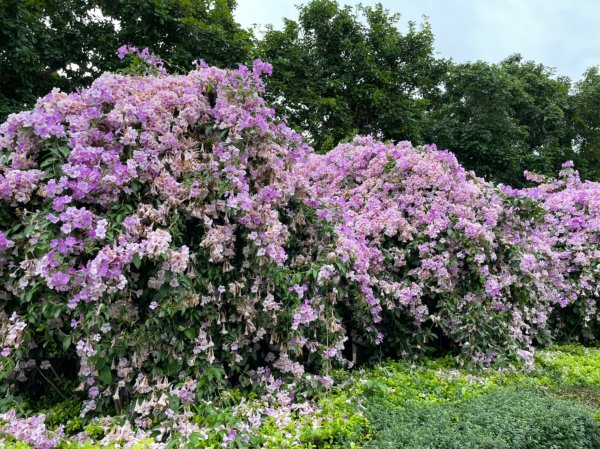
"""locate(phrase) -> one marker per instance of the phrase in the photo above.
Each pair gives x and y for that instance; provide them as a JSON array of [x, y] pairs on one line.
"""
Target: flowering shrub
[[157, 230], [569, 230], [31, 430], [164, 236], [436, 251]]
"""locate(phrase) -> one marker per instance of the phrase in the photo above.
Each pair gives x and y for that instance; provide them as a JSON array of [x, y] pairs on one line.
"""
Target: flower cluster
[[160, 221], [568, 229], [11, 334], [30, 430], [145, 55], [5, 243], [169, 234], [432, 246]]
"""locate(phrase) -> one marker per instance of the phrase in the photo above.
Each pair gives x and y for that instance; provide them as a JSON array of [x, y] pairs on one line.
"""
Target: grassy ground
[[435, 404]]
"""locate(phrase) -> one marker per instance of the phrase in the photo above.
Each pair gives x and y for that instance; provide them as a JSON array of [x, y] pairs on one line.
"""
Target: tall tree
[[340, 71], [585, 106], [502, 119], [67, 43]]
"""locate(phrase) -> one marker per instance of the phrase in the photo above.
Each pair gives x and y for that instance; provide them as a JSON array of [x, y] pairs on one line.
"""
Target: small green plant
[[502, 419], [373, 407]]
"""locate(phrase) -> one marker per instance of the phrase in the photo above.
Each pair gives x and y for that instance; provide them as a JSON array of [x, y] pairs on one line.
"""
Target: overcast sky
[[564, 34]]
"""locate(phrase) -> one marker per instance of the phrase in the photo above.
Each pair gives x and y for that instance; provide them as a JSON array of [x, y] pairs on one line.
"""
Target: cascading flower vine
[[168, 235], [434, 247], [160, 221]]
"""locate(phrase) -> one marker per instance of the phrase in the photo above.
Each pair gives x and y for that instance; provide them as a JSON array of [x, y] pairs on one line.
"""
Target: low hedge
[[501, 419]]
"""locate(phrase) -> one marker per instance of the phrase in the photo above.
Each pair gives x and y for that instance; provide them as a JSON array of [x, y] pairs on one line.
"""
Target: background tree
[[339, 71], [68, 43], [502, 119], [585, 105]]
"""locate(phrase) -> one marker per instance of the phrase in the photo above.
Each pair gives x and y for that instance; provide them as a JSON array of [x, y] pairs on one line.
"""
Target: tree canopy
[[585, 106], [338, 71], [502, 119], [341, 71], [68, 43]]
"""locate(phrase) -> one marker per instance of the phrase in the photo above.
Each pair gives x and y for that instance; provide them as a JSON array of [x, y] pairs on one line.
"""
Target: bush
[[165, 237], [438, 252], [157, 232], [500, 419]]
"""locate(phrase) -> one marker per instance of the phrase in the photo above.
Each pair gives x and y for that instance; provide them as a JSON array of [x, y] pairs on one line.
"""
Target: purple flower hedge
[[166, 233]]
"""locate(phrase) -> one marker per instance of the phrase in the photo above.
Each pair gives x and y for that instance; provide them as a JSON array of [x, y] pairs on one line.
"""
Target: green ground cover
[[425, 404]]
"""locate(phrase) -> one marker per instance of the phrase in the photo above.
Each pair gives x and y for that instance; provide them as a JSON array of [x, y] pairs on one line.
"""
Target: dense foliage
[[69, 43], [585, 110], [501, 119], [339, 71], [498, 420], [435, 405], [164, 236], [140, 187]]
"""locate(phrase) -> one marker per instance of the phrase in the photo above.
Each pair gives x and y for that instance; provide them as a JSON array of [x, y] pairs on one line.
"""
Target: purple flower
[[492, 287], [124, 50], [260, 67], [305, 315], [299, 289], [94, 392], [59, 281], [5, 243], [59, 202]]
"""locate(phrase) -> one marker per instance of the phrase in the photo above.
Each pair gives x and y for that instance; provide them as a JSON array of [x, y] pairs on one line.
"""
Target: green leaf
[[29, 230], [190, 333], [137, 260], [106, 375], [66, 342]]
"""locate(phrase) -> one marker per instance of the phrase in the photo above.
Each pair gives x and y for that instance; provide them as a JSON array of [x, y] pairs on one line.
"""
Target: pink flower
[[156, 243], [5, 243]]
